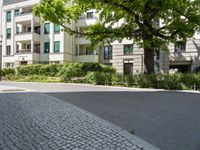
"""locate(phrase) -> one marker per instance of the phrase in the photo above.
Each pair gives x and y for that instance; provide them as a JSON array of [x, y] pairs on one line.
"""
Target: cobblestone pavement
[[33, 121]]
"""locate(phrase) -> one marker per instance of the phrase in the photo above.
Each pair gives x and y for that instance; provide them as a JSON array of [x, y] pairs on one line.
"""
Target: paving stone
[[37, 121]]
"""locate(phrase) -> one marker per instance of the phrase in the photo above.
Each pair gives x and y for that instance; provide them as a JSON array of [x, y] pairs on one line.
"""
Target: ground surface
[[168, 120], [34, 121]]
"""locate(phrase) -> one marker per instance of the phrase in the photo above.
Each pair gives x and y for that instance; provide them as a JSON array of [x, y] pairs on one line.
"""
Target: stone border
[[113, 87]]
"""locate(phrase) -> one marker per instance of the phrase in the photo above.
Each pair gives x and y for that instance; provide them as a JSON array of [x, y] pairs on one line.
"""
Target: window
[[17, 30], [46, 47], [17, 12], [90, 14], [8, 16], [46, 28], [128, 49], [8, 33], [29, 29], [107, 52], [37, 29], [56, 28], [89, 51], [56, 46], [180, 46], [8, 50]]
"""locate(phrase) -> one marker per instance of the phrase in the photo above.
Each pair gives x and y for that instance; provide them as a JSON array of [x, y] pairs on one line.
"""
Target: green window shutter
[[57, 46], [46, 28], [8, 16], [46, 47], [56, 28]]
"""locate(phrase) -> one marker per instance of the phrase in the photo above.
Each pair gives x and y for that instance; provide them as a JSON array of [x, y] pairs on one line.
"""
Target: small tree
[[138, 21]]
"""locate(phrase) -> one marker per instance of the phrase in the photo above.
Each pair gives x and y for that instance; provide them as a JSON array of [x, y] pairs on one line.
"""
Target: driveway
[[169, 120]]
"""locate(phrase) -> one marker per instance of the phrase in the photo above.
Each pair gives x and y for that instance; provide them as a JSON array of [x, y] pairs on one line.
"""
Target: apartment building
[[28, 40]]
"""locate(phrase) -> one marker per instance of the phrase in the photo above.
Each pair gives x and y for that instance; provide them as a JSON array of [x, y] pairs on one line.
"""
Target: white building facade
[[28, 40]]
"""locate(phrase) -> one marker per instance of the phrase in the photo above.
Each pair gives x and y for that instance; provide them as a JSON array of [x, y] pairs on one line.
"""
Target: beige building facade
[[28, 40]]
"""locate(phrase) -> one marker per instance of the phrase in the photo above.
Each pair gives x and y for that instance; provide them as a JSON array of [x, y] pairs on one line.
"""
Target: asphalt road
[[168, 120]]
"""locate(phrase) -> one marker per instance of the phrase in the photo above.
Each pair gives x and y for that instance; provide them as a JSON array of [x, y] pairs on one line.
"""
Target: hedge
[[94, 73]]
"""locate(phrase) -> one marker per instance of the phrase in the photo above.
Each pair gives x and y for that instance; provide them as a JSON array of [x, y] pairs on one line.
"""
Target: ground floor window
[[9, 65], [107, 52]]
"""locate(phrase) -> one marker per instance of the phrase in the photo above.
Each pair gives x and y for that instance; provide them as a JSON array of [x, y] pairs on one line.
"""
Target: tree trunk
[[148, 52], [149, 60]]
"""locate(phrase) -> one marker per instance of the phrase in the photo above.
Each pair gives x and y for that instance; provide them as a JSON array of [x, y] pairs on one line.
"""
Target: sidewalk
[[38, 121]]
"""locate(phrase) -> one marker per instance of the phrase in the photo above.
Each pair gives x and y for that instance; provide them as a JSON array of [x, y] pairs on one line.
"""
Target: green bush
[[50, 70], [29, 70], [68, 72], [39, 69], [99, 78], [129, 80], [7, 71], [117, 80], [91, 67]]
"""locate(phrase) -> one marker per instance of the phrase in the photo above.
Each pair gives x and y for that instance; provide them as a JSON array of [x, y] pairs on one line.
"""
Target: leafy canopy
[[132, 19]]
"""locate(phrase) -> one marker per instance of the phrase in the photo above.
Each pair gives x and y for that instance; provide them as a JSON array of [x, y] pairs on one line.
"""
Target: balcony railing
[[26, 32], [23, 13], [21, 51]]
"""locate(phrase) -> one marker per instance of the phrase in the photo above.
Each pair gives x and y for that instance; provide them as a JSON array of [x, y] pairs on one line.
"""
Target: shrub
[[99, 78], [117, 79], [29, 70], [7, 71], [129, 80], [108, 69], [91, 67], [50, 70], [69, 72]]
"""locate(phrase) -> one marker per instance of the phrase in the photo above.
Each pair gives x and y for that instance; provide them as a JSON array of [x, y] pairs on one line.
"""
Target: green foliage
[[33, 78], [50, 70], [69, 71], [99, 78], [181, 20], [7, 71], [29, 70], [39, 69]]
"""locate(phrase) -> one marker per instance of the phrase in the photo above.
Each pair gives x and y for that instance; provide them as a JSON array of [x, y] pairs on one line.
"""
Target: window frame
[[130, 52], [90, 14], [45, 29], [8, 34], [56, 30], [178, 47], [109, 54], [8, 16], [8, 50], [46, 52], [54, 49]]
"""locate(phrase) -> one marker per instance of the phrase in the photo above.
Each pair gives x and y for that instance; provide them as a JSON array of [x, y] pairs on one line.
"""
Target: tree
[[138, 19]]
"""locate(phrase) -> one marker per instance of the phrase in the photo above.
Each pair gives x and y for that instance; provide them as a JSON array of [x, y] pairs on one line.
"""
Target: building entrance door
[[128, 68]]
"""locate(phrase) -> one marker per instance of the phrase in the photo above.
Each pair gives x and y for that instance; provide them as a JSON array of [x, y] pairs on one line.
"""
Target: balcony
[[26, 51], [22, 51], [84, 21], [82, 40], [25, 36], [26, 15]]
